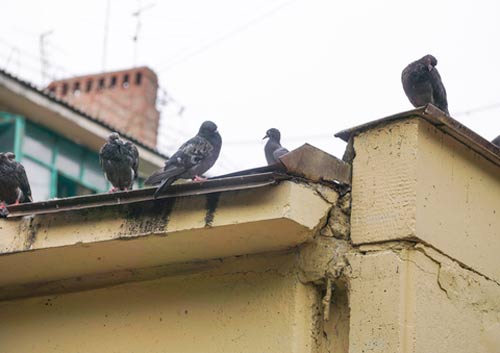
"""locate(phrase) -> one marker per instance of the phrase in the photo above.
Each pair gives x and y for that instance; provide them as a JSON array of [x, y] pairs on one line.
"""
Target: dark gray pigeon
[[14, 185], [119, 161], [496, 141], [422, 84], [191, 160], [273, 148]]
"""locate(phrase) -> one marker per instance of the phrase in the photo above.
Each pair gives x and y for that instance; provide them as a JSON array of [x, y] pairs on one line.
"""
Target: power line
[[478, 109], [105, 36], [137, 14], [44, 62], [226, 36]]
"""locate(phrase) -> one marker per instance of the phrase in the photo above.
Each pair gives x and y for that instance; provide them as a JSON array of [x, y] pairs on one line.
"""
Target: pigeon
[[273, 148], [191, 160], [14, 185], [422, 84], [119, 161], [496, 141]]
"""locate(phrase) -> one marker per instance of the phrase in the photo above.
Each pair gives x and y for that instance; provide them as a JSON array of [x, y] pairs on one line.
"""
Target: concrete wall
[[413, 182], [250, 304], [413, 299], [278, 268], [424, 274]]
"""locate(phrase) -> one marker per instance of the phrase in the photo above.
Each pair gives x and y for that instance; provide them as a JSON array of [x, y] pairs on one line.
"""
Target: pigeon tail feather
[[165, 178], [164, 184], [155, 178]]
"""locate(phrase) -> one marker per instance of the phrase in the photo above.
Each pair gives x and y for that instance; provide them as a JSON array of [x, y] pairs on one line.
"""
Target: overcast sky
[[307, 67]]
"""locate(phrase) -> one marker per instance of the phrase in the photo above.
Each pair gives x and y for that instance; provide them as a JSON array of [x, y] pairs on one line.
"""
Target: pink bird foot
[[4, 212], [198, 178]]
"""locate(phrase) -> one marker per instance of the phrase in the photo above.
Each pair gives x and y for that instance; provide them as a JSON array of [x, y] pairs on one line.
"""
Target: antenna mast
[[43, 56], [105, 38], [137, 14]]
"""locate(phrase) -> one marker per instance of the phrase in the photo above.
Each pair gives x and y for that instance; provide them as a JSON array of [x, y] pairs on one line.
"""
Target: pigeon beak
[[265, 137]]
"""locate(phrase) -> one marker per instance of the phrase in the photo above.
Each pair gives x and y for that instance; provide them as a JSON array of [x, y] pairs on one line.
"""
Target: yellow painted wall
[[419, 274], [416, 300], [413, 182], [247, 305]]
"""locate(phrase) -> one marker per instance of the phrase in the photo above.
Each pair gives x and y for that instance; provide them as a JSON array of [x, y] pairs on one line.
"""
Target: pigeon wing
[[24, 184], [133, 155], [190, 154], [102, 152], [438, 91], [279, 152]]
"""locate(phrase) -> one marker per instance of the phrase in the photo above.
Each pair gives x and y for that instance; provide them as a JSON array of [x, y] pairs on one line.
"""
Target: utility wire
[[478, 109], [183, 58]]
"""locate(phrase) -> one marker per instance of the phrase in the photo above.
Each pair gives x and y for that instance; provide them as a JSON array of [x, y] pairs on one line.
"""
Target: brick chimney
[[125, 99]]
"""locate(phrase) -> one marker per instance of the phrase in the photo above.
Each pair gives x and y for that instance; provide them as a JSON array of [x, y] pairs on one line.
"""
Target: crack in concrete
[[417, 246]]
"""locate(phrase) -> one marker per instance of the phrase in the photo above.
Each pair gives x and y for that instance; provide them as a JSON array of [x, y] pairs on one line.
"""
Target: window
[[138, 78], [7, 133], [68, 158], [88, 87], [125, 81], [68, 188], [38, 143], [92, 173], [76, 88], [64, 89], [113, 82], [101, 83], [39, 177], [56, 166]]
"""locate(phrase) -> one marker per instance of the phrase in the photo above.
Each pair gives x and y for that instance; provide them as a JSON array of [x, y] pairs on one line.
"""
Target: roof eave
[[439, 119], [59, 116]]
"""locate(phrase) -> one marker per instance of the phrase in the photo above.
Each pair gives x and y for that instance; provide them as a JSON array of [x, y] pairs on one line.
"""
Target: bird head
[[113, 136], [273, 134], [7, 156], [429, 61], [208, 128]]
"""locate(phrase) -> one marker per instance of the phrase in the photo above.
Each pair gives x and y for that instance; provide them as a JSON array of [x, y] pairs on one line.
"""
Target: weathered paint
[[273, 269], [161, 232], [411, 181], [412, 299], [254, 304]]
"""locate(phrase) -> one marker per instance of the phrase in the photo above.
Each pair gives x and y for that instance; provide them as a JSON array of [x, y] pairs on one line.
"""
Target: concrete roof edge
[[219, 222], [441, 121]]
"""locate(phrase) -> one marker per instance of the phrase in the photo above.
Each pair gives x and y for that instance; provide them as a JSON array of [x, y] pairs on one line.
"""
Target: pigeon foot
[[198, 178], [4, 212]]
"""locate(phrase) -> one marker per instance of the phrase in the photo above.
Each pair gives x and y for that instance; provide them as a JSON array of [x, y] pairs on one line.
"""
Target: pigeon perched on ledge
[[191, 160], [119, 161], [14, 185], [273, 149], [422, 84]]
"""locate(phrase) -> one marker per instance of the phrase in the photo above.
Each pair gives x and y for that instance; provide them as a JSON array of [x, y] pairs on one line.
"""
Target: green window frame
[[85, 160]]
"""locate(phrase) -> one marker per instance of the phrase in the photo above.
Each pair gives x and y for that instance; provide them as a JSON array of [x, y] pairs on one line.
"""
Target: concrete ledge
[[64, 245], [412, 181]]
